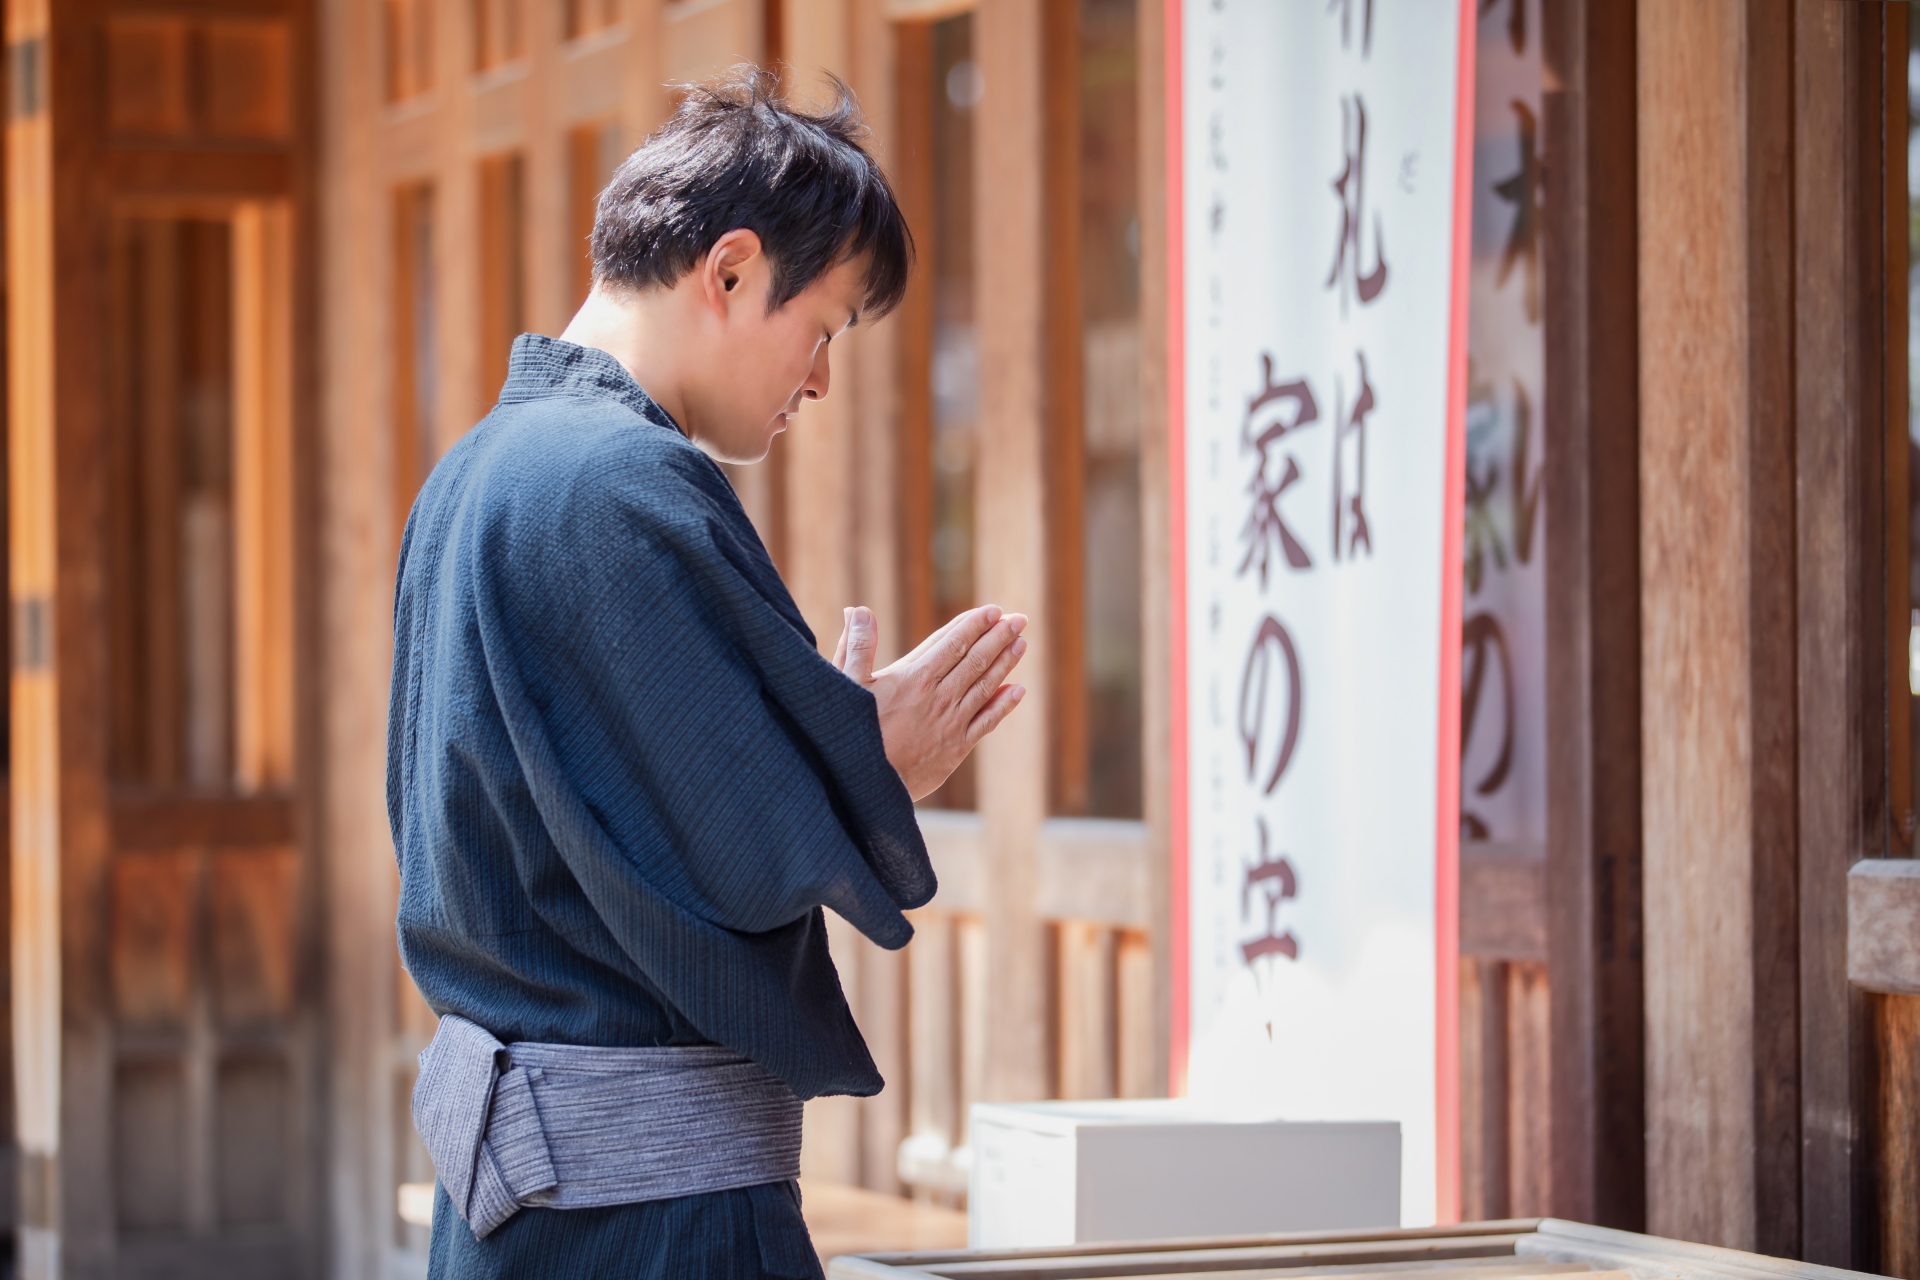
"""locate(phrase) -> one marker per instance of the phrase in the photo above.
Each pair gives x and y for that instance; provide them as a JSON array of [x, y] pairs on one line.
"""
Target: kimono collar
[[541, 367]]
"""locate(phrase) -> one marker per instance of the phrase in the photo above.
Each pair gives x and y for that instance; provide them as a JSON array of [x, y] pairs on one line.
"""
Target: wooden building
[[264, 260]]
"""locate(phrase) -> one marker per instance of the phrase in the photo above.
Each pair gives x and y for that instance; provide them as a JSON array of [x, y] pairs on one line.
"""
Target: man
[[622, 781]]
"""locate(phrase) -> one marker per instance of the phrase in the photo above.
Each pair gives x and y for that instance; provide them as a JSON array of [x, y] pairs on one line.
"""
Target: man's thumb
[[863, 639]]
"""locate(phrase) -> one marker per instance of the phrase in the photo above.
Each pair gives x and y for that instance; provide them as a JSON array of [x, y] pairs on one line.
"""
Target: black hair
[[736, 154]]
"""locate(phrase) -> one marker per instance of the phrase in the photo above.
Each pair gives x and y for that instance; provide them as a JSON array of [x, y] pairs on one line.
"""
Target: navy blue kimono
[[622, 784]]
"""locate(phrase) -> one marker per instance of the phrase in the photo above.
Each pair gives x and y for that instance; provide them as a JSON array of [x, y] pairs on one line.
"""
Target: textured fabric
[[621, 780], [574, 1127], [755, 1233]]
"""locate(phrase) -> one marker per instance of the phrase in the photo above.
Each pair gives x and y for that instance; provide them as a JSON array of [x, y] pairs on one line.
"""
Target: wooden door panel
[[154, 899], [254, 921], [177, 77], [149, 1123]]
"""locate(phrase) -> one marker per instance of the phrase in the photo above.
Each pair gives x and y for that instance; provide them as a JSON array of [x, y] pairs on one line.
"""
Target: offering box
[[1054, 1173]]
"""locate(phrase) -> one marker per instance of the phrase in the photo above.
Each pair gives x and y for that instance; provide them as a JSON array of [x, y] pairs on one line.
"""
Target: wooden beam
[[1503, 903], [1156, 664], [1850, 240], [1065, 463], [1094, 869], [1716, 523], [872, 381], [820, 456], [1529, 1113], [1593, 874], [35, 965], [1896, 1026], [363, 475], [263, 602], [1084, 970], [1010, 521], [911, 164]]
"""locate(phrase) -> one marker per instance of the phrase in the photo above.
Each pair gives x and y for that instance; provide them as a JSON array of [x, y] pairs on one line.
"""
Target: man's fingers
[[980, 690], [945, 648], [861, 641], [934, 637], [998, 708], [981, 654], [840, 650]]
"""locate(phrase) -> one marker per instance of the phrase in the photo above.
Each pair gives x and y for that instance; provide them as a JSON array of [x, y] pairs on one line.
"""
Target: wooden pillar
[[355, 553], [1843, 413], [817, 471], [873, 382], [1593, 618], [1717, 701], [820, 460], [35, 803], [1156, 663], [1009, 479], [839, 549]]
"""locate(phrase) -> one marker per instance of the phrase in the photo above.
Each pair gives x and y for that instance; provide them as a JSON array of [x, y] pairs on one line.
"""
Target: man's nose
[[815, 387]]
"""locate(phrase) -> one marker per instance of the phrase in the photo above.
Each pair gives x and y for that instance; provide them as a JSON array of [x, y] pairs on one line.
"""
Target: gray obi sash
[[573, 1127]]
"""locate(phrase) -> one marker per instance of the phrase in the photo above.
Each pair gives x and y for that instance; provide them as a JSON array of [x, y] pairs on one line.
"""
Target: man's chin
[[743, 453]]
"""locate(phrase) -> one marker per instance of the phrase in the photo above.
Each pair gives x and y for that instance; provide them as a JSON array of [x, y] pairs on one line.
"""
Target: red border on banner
[[1179, 1009], [1446, 885]]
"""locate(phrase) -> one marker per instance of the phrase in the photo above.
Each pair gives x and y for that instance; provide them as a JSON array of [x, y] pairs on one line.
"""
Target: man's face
[[764, 363]]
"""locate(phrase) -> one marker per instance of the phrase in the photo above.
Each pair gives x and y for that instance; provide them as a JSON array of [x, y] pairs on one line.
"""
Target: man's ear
[[721, 273]]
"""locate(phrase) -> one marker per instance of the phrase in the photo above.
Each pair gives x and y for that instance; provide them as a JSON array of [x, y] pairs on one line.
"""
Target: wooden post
[[873, 382], [1009, 480], [1156, 674], [35, 730], [1065, 463], [262, 481], [1717, 704], [1845, 416], [356, 544], [1593, 617], [820, 459]]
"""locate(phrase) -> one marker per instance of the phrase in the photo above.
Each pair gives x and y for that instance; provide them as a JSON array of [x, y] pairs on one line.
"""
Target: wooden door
[[170, 1014]]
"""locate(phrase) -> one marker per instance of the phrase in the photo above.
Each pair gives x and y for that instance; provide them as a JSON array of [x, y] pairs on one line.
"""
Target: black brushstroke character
[[1524, 190], [1275, 881], [1516, 21], [1526, 477], [1350, 186], [1271, 643], [1346, 24], [1350, 488], [1483, 644], [1283, 407]]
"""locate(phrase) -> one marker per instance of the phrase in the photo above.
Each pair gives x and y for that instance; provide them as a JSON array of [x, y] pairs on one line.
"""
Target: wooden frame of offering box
[[1513, 1250]]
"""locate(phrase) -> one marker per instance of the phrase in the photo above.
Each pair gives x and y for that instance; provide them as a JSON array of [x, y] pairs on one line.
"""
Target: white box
[[1051, 1173]]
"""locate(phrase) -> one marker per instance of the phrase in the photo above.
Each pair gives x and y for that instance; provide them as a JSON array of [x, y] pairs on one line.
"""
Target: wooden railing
[[1505, 1099], [1093, 891]]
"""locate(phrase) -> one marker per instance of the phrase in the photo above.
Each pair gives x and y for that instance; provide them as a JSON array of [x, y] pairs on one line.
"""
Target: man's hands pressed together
[[942, 698]]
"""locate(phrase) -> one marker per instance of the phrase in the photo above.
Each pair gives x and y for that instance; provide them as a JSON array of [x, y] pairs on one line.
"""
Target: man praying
[[622, 781]]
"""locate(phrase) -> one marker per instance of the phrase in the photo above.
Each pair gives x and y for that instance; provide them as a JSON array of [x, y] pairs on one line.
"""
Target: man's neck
[[645, 331]]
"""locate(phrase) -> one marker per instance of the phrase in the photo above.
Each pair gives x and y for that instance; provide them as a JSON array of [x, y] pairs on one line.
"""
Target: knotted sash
[[573, 1127]]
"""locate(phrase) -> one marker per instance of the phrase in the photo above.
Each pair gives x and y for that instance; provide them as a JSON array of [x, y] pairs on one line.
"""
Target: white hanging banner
[[1320, 163]]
